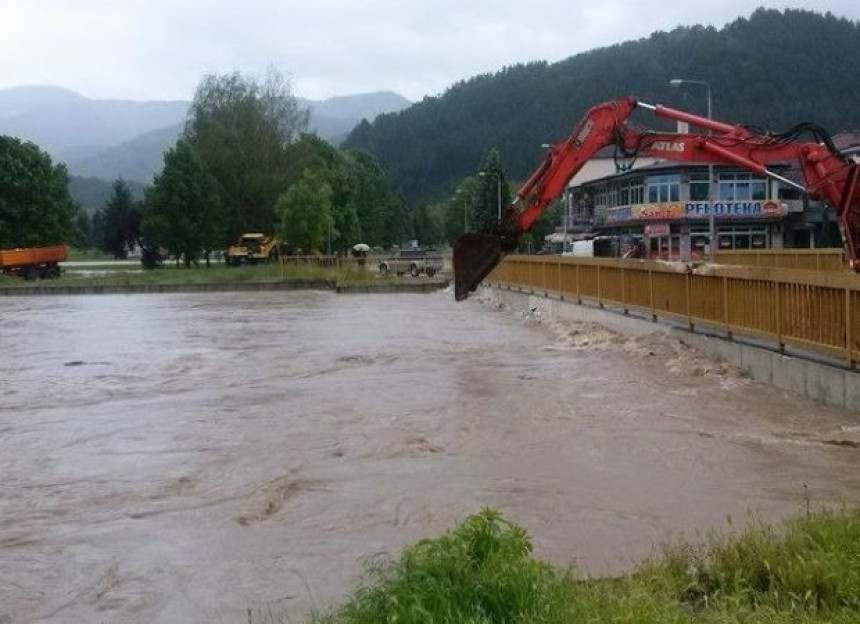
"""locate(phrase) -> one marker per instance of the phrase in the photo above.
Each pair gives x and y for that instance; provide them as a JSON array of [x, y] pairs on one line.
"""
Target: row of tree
[[242, 164]]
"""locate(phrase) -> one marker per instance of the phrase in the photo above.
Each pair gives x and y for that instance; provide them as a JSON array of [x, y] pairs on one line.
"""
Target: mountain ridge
[[109, 138], [773, 69]]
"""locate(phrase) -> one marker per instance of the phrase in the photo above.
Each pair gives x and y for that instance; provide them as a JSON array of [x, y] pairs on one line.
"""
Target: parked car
[[413, 261]]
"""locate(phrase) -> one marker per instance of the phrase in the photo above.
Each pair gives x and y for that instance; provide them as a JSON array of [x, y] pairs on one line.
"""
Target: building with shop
[[666, 210]]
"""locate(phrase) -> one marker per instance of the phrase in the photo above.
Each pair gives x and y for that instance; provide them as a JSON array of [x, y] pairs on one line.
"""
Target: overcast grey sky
[[158, 49]]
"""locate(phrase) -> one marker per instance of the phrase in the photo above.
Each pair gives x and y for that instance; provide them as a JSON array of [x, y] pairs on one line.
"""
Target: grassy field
[[483, 572], [132, 274]]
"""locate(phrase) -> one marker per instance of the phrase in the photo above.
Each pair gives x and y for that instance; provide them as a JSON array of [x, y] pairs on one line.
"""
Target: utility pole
[[712, 226]]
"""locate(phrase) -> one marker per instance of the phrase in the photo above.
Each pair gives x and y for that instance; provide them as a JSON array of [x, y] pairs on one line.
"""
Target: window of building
[[699, 187], [664, 188], [631, 192], [743, 237], [741, 187]]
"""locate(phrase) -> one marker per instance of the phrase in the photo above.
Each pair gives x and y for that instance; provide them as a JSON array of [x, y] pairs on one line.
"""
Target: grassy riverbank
[[132, 275], [482, 572]]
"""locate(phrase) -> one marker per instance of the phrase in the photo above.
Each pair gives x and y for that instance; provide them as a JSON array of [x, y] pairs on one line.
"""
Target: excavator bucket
[[475, 255]]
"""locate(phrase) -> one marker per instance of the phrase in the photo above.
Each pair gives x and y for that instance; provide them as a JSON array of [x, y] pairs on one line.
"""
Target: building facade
[[666, 210]]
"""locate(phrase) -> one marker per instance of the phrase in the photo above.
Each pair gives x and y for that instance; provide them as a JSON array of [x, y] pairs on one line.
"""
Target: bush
[[483, 572]]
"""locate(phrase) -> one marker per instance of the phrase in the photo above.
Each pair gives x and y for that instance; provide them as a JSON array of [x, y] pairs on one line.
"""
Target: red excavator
[[828, 175]]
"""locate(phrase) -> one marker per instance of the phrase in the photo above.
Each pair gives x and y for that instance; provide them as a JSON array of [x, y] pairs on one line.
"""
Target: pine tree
[[120, 222]]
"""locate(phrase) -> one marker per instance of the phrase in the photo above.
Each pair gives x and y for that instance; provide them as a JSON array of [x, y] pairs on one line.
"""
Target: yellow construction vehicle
[[253, 248]]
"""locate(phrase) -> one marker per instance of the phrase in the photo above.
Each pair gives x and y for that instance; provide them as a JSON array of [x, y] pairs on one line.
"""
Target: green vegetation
[[115, 228], [182, 212], [240, 128], [774, 69], [305, 211], [132, 274], [483, 572], [35, 208]]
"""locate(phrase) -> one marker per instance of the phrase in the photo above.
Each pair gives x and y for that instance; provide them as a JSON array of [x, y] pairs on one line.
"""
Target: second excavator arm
[[827, 174]]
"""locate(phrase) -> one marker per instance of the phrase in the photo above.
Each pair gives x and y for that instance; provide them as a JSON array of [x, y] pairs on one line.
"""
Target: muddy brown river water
[[183, 458]]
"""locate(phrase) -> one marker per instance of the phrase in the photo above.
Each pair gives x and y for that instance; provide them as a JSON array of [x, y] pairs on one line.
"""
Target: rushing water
[[182, 458]]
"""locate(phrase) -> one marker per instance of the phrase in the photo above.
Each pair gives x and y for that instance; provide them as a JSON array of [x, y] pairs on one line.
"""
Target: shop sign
[[668, 211], [646, 212], [733, 209]]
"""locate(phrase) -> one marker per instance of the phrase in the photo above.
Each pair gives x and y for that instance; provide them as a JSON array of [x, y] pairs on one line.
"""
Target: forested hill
[[774, 69]]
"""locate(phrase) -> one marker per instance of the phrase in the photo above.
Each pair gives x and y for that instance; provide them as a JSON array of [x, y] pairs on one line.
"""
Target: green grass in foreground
[[216, 274], [483, 572]]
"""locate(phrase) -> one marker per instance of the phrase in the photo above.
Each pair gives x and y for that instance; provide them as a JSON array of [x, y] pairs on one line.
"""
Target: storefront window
[[743, 237], [664, 188]]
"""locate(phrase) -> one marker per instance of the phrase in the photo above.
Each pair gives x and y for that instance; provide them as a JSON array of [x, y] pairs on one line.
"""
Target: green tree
[[486, 209], [362, 206], [335, 168], [305, 211], [83, 230], [241, 128], [182, 211], [396, 227], [371, 199], [35, 208], [426, 225], [120, 222]]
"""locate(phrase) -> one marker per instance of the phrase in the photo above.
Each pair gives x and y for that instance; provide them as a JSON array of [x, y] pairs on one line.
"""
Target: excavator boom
[[827, 175]]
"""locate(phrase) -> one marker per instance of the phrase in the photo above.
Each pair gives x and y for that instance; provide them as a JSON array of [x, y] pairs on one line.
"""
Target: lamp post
[[498, 177], [712, 235]]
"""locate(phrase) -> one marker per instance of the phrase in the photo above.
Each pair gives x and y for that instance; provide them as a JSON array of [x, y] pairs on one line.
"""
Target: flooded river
[[183, 458]]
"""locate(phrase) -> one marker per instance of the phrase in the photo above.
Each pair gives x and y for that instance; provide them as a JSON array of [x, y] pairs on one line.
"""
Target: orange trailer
[[33, 262]]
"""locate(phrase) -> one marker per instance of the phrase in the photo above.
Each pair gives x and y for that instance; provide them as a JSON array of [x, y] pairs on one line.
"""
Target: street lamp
[[498, 177], [712, 235]]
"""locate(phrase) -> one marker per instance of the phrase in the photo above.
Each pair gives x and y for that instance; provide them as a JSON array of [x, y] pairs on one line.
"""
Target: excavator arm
[[827, 174]]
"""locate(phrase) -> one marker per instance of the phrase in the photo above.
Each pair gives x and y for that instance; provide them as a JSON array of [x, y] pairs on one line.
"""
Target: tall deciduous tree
[[241, 128], [120, 222], [35, 208], [182, 211], [334, 168], [305, 211]]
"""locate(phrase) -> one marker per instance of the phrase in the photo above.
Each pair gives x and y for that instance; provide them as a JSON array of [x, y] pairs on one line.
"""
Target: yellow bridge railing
[[809, 259], [818, 311]]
